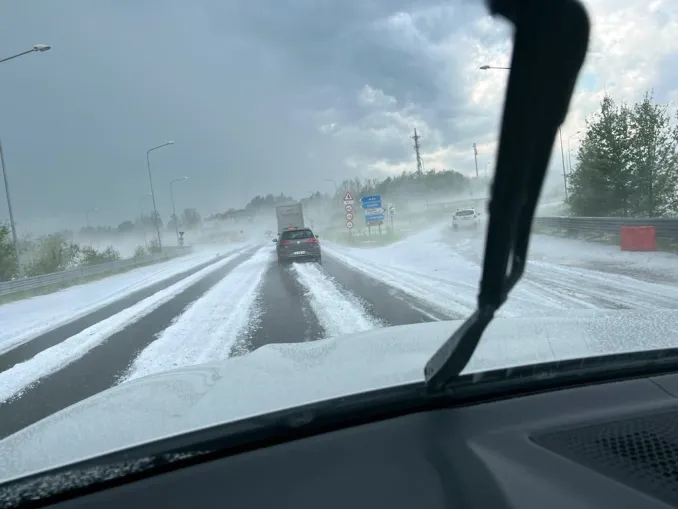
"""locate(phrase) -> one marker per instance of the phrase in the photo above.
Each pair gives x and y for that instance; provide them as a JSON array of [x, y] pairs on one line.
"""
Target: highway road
[[284, 313], [242, 299]]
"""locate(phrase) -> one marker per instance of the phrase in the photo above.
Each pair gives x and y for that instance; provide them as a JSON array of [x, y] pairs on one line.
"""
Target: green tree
[[653, 146], [626, 163], [158, 218], [90, 256], [52, 254], [8, 262], [126, 226], [601, 183], [190, 218], [172, 221]]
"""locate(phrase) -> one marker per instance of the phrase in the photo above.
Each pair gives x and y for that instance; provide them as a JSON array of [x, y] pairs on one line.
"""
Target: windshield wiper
[[550, 42]]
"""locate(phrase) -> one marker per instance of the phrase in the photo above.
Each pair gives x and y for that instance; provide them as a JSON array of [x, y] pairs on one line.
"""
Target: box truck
[[289, 216]]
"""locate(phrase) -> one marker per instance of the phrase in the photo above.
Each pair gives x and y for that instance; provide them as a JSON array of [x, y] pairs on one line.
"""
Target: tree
[[126, 226], [90, 256], [157, 217], [172, 222], [144, 222], [8, 262], [190, 218], [627, 163], [53, 253], [653, 147]]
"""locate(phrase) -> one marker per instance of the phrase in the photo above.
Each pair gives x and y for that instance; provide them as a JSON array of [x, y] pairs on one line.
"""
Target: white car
[[465, 218]]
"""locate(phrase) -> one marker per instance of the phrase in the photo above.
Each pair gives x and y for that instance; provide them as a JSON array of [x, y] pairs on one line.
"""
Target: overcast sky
[[271, 99]]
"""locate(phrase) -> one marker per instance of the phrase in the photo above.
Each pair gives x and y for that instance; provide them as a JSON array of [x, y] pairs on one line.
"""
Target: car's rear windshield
[[296, 234], [469, 212]]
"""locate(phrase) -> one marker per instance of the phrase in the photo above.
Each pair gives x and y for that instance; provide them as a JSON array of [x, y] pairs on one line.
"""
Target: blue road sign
[[376, 217], [371, 205], [365, 199]]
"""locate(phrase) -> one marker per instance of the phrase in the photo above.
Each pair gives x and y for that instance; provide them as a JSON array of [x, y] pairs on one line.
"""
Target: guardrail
[[71, 275], [665, 228]]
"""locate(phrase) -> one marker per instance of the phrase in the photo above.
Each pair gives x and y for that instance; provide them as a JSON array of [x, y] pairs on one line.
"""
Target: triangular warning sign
[[348, 196]]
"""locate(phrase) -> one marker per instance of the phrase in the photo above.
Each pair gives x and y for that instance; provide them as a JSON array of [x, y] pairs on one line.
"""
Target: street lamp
[[11, 213], [141, 218], [150, 179], [40, 48], [93, 209], [569, 152], [560, 132], [174, 212]]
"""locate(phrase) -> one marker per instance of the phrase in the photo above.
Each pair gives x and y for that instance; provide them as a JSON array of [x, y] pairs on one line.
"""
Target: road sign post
[[348, 208], [391, 212], [374, 213]]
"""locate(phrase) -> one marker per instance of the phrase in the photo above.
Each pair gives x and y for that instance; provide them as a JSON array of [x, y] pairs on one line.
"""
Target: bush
[[53, 253], [139, 252], [154, 247], [8, 266], [90, 256]]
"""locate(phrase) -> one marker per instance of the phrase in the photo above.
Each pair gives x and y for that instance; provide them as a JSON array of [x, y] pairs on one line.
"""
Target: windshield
[[296, 235], [159, 165]]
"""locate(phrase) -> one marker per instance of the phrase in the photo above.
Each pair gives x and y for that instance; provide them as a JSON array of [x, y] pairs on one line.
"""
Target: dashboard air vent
[[641, 452]]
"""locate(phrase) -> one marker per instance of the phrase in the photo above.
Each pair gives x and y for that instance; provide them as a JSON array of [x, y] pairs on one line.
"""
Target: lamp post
[[141, 217], [569, 151], [12, 223], [150, 179], [39, 48], [560, 132], [93, 209], [174, 212]]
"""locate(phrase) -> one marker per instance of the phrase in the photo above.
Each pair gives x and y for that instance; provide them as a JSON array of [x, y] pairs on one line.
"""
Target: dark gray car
[[298, 244]]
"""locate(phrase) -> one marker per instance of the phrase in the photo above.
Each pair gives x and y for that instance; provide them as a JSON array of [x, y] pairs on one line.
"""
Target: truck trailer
[[289, 216]]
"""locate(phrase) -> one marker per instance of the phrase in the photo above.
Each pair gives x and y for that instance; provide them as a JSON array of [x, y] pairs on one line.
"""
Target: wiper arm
[[550, 44]]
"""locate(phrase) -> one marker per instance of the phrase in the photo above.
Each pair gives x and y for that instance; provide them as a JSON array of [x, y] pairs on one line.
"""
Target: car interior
[[603, 433]]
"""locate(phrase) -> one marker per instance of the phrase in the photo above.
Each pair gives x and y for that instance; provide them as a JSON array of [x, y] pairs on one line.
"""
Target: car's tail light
[[284, 242], [313, 241]]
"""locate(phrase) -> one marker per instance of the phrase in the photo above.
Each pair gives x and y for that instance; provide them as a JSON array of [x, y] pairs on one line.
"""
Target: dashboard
[[608, 445]]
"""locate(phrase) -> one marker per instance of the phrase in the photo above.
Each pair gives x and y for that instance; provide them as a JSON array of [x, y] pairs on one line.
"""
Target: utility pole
[[475, 155], [416, 139], [562, 154], [12, 223]]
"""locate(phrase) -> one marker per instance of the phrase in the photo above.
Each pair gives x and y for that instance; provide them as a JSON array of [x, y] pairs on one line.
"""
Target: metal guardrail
[[70, 275], [665, 228]]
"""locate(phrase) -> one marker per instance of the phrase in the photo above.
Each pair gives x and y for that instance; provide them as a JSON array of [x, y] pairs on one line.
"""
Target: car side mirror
[[317, 236], [275, 240]]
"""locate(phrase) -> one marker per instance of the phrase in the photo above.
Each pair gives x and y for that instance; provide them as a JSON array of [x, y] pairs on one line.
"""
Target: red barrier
[[638, 238]]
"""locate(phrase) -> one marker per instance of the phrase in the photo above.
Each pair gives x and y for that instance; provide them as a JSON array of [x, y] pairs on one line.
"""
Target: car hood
[[281, 376]]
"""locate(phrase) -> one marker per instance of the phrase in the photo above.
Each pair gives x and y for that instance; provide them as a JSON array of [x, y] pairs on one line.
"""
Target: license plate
[[299, 252]]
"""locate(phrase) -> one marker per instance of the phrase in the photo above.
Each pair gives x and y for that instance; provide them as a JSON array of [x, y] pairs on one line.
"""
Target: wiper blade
[[550, 42]]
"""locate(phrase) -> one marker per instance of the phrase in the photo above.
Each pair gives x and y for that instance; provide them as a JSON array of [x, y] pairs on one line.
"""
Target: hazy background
[[271, 97]]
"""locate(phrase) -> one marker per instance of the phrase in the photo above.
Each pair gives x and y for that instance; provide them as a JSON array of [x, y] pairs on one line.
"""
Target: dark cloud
[[244, 89]]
